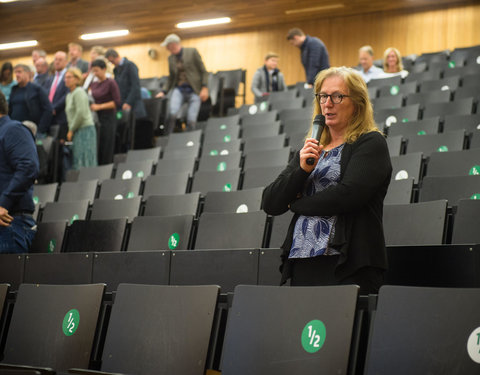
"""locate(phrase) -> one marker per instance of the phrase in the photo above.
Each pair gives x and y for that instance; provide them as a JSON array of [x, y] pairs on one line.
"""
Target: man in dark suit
[[75, 51], [188, 81], [58, 93], [28, 101]]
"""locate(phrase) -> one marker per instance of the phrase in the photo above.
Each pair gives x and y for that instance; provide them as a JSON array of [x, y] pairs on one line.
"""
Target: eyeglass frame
[[341, 96]]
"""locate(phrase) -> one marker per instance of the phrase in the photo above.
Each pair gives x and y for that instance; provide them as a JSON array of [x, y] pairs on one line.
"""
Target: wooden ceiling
[[56, 23]]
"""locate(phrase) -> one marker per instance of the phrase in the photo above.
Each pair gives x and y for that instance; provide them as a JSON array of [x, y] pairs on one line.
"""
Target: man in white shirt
[[368, 71]]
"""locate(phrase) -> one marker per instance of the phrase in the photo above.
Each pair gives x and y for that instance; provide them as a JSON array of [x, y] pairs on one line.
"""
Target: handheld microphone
[[317, 129]]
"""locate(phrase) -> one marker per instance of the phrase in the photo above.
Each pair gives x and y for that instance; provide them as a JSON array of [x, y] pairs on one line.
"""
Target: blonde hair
[[269, 55], [99, 50], [362, 121], [76, 45], [77, 73], [399, 65]]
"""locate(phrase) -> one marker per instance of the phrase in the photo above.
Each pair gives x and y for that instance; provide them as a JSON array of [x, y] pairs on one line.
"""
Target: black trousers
[[319, 271], [108, 128]]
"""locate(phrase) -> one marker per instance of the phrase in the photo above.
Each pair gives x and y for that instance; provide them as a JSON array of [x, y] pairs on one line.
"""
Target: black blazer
[[357, 200], [58, 104], [126, 76]]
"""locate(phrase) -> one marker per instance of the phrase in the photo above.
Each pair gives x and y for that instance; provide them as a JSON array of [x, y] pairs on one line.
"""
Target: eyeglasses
[[335, 98]]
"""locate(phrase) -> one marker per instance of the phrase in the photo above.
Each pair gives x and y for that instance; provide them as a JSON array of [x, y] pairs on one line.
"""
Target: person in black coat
[[336, 235]]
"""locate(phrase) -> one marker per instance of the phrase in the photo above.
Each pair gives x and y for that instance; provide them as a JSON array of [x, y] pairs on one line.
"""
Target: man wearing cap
[[187, 79], [18, 170]]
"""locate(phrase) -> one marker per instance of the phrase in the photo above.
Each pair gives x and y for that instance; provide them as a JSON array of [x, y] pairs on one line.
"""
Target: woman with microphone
[[336, 235]]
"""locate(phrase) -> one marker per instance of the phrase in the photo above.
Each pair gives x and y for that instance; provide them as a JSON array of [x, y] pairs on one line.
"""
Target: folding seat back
[[240, 201], [407, 166], [76, 191], [455, 163], [128, 170], [451, 188], [268, 129], [172, 166], [260, 118], [44, 193], [71, 211], [204, 182], [146, 154], [444, 142], [411, 128], [170, 205], [120, 189], [166, 184], [49, 237], [268, 158], [399, 191], [106, 209], [264, 143], [260, 177], [220, 163], [458, 107], [102, 172]]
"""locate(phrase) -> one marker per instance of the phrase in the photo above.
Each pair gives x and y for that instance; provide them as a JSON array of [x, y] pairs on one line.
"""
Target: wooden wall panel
[[410, 32]]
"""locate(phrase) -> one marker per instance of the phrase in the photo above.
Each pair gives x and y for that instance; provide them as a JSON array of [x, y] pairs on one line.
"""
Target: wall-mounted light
[[200, 23], [26, 43], [105, 34]]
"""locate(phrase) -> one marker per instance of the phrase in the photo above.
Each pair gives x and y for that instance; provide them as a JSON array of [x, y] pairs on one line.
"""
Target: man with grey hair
[[42, 78], [28, 101], [368, 71], [188, 80]]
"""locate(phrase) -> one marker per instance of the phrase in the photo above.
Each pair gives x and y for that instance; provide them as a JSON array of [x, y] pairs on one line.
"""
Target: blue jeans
[[18, 236], [180, 96]]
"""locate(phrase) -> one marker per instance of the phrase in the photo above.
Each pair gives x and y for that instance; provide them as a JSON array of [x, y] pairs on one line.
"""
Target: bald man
[[58, 93]]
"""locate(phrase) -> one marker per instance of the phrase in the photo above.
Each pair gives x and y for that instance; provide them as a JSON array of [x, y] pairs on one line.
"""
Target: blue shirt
[[372, 73], [312, 233], [18, 103], [314, 57], [18, 166]]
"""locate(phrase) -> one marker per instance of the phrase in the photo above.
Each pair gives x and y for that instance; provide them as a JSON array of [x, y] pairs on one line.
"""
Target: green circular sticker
[[130, 195], [119, 115], [475, 196], [74, 218], [405, 119], [263, 106], [173, 241], [442, 149], [223, 127], [227, 138], [36, 200], [213, 152], [451, 64], [227, 187], [140, 174], [394, 90], [51, 246], [475, 170], [313, 336], [222, 166], [39, 142], [422, 132], [70, 322]]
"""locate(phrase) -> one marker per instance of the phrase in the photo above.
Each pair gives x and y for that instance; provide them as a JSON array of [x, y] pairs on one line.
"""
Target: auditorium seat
[[469, 80], [468, 92], [428, 75], [408, 166], [280, 96], [296, 140], [443, 142], [120, 189], [444, 320], [279, 229], [399, 191], [96, 235], [226, 135], [455, 122], [301, 125], [419, 67], [155, 329], [427, 98], [457, 107], [145, 154], [287, 104], [37, 337], [106, 209], [465, 228], [190, 149], [295, 114], [393, 90], [220, 163], [71, 211], [455, 163], [267, 158], [260, 177], [44, 193], [177, 165], [230, 230], [475, 139], [395, 145], [303, 332], [102, 172], [160, 233], [451, 188], [240, 201], [387, 102], [170, 205], [410, 128], [166, 184], [259, 118], [204, 182], [12, 269], [372, 92], [49, 237], [415, 223], [75, 191], [268, 129], [381, 82], [186, 139], [264, 143], [390, 116], [221, 148], [128, 170], [445, 84], [218, 122]]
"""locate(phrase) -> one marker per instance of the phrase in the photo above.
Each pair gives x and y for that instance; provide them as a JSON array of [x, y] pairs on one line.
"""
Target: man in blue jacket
[[314, 54], [28, 101], [18, 170]]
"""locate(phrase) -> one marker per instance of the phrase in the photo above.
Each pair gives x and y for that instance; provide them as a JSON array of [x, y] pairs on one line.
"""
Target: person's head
[[3, 105], [37, 53], [296, 37], [41, 66], [22, 74], [6, 74], [75, 51], [172, 43], [73, 78], [113, 56], [392, 60], [271, 61], [352, 113], [365, 57], [96, 52], [99, 68], [60, 61]]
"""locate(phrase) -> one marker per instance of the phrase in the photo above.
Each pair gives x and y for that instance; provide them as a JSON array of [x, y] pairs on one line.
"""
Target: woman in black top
[[336, 235]]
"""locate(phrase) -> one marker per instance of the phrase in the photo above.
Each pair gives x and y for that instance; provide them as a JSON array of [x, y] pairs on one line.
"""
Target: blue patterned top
[[312, 233]]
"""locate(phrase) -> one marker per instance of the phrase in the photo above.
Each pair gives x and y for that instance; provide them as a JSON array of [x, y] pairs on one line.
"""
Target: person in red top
[[106, 94]]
